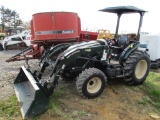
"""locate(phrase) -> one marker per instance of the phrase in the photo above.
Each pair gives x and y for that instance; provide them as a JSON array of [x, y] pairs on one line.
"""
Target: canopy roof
[[123, 9]]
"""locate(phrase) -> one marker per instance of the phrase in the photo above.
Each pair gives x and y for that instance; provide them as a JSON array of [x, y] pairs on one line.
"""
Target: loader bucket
[[32, 99]]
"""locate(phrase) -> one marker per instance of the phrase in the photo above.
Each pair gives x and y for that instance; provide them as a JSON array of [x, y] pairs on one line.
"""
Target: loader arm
[[53, 51]]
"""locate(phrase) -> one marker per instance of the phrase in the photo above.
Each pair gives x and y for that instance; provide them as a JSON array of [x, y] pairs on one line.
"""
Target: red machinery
[[55, 26], [51, 28], [88, 35]]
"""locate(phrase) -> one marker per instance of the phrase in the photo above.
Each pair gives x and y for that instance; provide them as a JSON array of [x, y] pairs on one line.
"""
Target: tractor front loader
[[89, 62]]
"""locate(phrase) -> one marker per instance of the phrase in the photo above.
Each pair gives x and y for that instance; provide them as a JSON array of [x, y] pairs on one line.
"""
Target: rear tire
[[136, 67], [91, 83]]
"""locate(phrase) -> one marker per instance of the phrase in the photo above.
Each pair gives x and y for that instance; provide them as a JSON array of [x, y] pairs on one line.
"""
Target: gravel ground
[[9, 71]]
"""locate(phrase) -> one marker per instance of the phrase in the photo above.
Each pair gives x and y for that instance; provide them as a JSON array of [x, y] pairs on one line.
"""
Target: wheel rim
[[141, 69], [94, 85]]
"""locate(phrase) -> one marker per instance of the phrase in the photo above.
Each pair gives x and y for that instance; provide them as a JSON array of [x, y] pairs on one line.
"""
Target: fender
[[128, 51]]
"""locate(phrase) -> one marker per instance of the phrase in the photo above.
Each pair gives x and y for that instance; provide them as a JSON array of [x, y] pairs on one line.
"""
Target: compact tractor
[[90, 62]]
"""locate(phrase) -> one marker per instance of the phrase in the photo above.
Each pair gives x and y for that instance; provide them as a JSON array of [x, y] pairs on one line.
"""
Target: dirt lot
[[9, 72], [117, 102]]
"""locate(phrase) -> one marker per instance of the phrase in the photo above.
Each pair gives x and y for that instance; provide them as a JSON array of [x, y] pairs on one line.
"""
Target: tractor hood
[[84, 45]]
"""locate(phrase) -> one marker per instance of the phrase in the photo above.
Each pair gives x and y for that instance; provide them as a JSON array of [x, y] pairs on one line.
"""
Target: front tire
[[91, 83], [137, 67]]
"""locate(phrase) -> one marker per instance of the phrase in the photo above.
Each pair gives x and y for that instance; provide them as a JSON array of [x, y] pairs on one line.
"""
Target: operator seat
[[119, 46], [123, 41]]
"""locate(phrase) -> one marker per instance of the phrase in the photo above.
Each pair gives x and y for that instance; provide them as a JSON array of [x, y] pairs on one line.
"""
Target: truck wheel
[[137, 67], [91, 83], [1, 47]]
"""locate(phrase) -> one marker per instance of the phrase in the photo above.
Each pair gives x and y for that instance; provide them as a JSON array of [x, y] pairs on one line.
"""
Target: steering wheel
[[111, 42]]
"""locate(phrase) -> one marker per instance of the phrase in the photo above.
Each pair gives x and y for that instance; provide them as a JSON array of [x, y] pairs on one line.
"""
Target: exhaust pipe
[[30, 94]]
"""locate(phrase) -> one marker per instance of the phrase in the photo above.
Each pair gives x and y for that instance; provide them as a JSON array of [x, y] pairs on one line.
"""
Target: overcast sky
[[91, 18]]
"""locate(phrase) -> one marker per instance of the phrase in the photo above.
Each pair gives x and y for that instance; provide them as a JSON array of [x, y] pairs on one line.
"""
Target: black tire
[[136, 67], [1, 47], [91, 83]]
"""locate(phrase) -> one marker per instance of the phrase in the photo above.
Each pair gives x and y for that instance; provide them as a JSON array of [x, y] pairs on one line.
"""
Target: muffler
[[30, 94]]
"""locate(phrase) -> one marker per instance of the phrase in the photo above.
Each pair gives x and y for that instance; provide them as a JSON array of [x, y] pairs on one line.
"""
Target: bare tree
[[9, 17], [26, 24], [2, 11]]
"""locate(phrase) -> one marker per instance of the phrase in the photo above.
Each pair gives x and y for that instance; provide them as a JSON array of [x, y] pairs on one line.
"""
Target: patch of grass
[[123, 99], [135, 88], [55, 105], [9, 108], [67, 117], [152, 86], [36, 118], [82, 103], [154, 78], [98, 99], [59, 91], [82, 112], [144, 101], [55, 109]]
